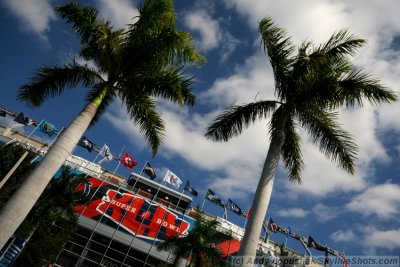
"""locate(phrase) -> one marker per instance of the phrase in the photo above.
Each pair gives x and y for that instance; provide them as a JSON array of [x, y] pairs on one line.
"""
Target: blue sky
[[357, 214]]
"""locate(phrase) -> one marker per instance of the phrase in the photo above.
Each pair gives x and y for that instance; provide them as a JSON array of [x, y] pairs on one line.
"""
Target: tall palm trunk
[[251, 238], [18, 207]]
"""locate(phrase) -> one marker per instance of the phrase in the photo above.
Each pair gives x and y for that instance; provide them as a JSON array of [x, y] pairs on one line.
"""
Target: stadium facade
[[126, 218]]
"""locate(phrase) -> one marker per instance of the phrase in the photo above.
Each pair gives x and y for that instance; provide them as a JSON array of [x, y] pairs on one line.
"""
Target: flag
[[106, 153], [313, 244], [21, 118], [190, 189], [3, 113], [235, 208], [172, 179], [86, 143], [214, 198], [128, 161], [47, 128], [310, 242], [149, 171], [272, 226]]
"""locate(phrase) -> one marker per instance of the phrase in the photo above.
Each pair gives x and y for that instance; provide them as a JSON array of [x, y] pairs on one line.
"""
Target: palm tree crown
[[310, 86], [136, 64]]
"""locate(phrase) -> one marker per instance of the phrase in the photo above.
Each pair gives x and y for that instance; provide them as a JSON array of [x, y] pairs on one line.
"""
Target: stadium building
[[126, 218]]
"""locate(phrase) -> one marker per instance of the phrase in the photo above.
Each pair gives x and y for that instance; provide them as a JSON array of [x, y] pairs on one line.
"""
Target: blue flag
[[149, 171], [86, 143], [211, 196], [190, 189], [47, 128], [22, 119], [235, 208]]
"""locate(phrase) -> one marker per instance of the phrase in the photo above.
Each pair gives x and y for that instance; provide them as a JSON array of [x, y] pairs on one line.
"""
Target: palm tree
[[137, 65], [199, 245], [51, 221], [309, 86]]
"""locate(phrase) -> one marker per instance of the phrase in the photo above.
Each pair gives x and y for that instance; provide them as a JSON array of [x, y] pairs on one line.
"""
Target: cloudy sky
[[358, 214]]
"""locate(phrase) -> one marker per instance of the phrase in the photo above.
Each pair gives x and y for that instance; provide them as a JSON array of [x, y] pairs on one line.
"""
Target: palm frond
[[83, 19], [106, 51], [291, 152], [341, 44], [49, 82], [279, 49], [167, 83], [142, 110], [335, 143], [357, 85], [234, 119]]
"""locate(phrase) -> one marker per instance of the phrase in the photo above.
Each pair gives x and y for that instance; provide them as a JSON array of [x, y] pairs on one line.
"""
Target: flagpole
[[98, 154], [56, 136], [204, 201], [8, 175], [225, 215], [245, 219], [26, 139], [10, 125], [143, 168], [119, 160], [179, 200]]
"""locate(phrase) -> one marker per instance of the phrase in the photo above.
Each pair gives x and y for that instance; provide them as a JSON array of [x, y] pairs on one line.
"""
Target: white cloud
[[388, 239], [34, 15], [381, 200], [252, 81], [119, 12], [325, 213], [369, 238], [293, 213], [207, 27], [343, 236], [211, 31]]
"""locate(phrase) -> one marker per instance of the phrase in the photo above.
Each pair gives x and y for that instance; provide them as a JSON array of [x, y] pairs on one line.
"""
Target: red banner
[[135, 214]]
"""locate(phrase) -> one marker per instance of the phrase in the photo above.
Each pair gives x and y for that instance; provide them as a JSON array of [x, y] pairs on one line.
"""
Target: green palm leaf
[[232, 121]]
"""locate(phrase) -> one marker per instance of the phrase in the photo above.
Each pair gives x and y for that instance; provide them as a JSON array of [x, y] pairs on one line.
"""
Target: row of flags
[[43, 126], [310, 242], [211, 196], [129, 162]]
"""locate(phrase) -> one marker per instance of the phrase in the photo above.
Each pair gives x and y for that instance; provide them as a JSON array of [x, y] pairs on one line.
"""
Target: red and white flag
[[171, 178], [128, 161]]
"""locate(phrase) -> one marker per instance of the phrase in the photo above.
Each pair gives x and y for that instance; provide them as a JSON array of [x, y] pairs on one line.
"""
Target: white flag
[[106, 153], [171, 178]]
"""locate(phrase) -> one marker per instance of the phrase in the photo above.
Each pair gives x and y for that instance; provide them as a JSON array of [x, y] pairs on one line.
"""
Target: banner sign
[[136, 215]]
